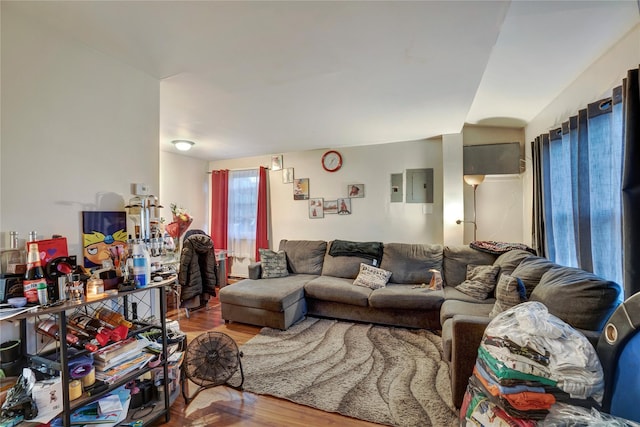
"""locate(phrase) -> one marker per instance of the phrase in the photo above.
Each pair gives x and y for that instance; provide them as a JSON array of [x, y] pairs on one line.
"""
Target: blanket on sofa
[[498, 248], [369, 250]]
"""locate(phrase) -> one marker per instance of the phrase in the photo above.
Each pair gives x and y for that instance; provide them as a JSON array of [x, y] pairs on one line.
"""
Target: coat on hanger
[[198, 269]]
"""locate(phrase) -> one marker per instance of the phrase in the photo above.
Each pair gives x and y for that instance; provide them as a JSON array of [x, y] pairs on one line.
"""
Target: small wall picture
[[276, 162], [344, 206], [301, 189], [316, 208], [104, 237], [287, 175], [355, 190], [330, 207]]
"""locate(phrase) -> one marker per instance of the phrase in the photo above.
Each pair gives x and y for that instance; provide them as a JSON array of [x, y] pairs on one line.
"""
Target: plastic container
[[10, 351], [17, 301]]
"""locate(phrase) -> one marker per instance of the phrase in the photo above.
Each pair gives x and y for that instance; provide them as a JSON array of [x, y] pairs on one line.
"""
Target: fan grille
[[211, 359]]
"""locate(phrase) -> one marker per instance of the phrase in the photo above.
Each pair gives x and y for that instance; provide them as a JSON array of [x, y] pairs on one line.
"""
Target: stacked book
[[117, 360], [108, 411]]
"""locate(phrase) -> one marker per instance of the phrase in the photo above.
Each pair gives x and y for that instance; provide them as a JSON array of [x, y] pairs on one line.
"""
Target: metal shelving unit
[[136, 306]]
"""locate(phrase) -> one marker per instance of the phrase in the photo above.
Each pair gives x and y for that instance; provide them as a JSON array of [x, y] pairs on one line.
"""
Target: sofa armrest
[[466, 336], [255, 270]]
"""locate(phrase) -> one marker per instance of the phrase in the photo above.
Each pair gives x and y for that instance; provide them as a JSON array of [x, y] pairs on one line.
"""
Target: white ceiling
[[245, 78]]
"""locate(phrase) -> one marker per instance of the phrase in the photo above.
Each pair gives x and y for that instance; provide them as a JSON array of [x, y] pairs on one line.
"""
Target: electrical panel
[[420, 185]]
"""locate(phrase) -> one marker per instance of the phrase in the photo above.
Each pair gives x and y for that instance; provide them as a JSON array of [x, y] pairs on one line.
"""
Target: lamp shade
[[183, 144], [474, 179]]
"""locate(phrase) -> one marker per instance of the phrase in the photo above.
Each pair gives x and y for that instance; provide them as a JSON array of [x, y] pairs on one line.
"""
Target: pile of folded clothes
[[528, 362]]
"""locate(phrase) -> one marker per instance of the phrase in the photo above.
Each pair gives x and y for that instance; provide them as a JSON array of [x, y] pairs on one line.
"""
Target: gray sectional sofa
[[321, 284]]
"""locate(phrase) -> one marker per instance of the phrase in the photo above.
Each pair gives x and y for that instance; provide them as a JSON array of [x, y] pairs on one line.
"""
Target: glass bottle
[[51, 329], [34, 275], [13, 259], [111, 317], [95, 327]]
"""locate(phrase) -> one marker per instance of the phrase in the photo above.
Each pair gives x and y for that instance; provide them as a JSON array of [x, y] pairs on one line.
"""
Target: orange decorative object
[[178, 227]]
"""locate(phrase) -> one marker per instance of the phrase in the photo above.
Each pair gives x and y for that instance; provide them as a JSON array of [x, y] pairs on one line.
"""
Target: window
[[243, 212], [582, 182]]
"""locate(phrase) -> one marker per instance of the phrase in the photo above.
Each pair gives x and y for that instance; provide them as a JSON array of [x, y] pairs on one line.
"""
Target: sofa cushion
[[304, 256], [336, 289], [274, 264], [580, 298], [372, 277], [530, 271], [267, 294], [508, 261], [453, 293], [406, 297], [410, 263], [480, 282], [347, 267], [452, 307], [510, 291], [456, 258]]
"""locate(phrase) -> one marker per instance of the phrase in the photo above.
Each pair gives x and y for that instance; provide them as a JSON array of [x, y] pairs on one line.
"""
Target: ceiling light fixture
[[183, 144]]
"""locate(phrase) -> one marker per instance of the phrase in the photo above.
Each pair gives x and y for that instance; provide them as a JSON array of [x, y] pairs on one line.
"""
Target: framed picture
[[104, 237], [344, 206], [355, 191], [330, 207], [276, 162], [287, 176], [301, 189], [316, 208]]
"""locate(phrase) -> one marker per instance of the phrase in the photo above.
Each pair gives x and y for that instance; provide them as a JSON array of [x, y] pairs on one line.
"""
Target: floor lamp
[[474, 181]]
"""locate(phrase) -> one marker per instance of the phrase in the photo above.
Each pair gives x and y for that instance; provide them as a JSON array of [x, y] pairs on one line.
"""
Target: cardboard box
[[48, 398]]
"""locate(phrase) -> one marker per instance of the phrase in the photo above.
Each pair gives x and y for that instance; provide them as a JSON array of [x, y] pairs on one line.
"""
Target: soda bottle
[[34, 275]]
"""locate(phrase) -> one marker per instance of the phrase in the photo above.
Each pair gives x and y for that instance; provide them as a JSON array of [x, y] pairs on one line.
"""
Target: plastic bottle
[[141, 265], [34, 275], [43, 293]]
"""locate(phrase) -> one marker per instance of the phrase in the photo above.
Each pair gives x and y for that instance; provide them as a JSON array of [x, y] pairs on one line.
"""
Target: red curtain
[[262, 240], [219, 207]]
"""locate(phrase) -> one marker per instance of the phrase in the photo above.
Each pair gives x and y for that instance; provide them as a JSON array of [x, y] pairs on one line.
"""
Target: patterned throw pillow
[[274, 264], [481, 281], [510, 292], [372, 277]]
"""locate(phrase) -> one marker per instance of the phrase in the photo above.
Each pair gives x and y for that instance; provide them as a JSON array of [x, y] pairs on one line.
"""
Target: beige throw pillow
[[372, 277], [480, 282]]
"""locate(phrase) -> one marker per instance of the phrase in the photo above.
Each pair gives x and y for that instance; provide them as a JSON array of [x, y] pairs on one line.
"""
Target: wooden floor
[[231, 407]]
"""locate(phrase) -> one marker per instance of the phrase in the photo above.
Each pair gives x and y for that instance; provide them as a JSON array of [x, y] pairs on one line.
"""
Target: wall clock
[[331, 161]]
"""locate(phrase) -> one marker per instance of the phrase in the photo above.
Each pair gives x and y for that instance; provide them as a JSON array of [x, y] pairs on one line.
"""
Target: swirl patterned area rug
[[385, 375]]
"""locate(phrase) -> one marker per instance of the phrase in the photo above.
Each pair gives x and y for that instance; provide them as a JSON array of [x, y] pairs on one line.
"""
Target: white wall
[[593, 84], [453, 192], [499, 199], [373, 217], [185, 182], [77, 129]]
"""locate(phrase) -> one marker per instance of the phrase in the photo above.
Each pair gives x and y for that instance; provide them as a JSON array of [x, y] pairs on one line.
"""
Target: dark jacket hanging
[[198, 269]]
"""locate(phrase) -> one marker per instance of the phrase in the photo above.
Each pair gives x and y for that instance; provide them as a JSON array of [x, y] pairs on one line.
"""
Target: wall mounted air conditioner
[[492, 159]]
